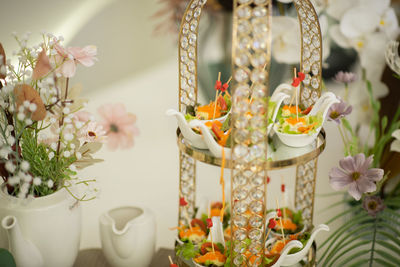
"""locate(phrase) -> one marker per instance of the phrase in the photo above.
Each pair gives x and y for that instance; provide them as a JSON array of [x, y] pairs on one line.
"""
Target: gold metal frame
[[205, 156], [251, 55]]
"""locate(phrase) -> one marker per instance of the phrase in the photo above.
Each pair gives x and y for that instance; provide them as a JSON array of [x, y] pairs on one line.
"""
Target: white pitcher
[[41, 232], [128, 236]]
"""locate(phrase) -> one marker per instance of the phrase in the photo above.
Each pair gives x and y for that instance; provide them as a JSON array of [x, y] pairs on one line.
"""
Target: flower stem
[[344, 141], [371, 259], [346, 94]]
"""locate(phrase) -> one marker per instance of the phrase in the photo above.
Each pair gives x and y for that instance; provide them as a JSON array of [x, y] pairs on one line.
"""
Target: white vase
[[41, 232], [128, 236]]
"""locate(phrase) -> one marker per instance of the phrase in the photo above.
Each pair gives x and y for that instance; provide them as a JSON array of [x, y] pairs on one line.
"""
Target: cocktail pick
[[183, 203], [271, 225], [279, 214], [218, 86], [225, 86], [283, 189], [209, 225], [172, 264]]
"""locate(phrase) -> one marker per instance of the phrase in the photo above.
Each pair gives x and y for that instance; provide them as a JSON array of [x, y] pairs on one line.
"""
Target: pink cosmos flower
[[83, 116], [119, 125], [73, 55], [355, 172], [92, 132]]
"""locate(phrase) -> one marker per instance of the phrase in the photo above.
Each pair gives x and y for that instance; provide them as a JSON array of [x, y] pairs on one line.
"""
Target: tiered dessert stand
[[251, 52]]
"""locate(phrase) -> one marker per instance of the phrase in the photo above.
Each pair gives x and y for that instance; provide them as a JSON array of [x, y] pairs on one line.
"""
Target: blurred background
[[137, 66]]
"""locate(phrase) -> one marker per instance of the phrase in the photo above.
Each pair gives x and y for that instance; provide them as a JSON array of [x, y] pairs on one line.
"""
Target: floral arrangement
[[46, 135], [372, 218]]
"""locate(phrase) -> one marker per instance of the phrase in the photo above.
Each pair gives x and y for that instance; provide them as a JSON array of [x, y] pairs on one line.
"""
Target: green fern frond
[[363, 240]]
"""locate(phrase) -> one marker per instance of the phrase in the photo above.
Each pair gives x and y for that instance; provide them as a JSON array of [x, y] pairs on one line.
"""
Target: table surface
[[94, 258]]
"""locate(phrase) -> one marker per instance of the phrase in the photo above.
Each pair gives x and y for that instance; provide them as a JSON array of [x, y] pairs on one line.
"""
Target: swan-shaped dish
[[300, 140], [195, 139], [287, 259], [216, 149]]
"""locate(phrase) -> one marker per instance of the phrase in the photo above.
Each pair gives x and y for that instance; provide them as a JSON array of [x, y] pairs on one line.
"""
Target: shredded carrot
[[287, 224], [209, 110], [294, 121], [292, 109], [211, 256]]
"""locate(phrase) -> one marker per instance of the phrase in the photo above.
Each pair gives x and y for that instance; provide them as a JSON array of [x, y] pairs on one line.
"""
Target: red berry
[[209, 223], [296, 82], [268, 179], [173, 265], [182, 202], [225, 87], [272, 223], [301, 75], [218, 85], [283, 188], [279, 213]]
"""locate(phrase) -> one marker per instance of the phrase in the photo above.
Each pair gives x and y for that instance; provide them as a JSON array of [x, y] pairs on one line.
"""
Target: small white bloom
[[25, 188], [13, 180], [54, 146], [28, 121], [53, 120], [67, 120], [50, 183], [66, 110], [10, 128], [32, 107], [72, 146], [26, 103], [4, 152], [395, 146], [72, 168], [68, 137], [78, 124], [10, 167], [24, 165], [21, 116], [78, 155], [11, 109], [21, 109], [37, 181], [11, 140], [67, 154], [27, 178], [51, 155]]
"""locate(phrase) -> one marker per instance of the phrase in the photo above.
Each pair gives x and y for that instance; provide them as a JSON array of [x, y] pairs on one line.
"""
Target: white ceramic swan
[[195, 139], [291, 259], [300, 140]]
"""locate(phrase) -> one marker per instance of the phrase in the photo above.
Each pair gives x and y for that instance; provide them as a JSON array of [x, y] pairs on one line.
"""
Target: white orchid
[[392, 56], [286, 41], [395, 146]]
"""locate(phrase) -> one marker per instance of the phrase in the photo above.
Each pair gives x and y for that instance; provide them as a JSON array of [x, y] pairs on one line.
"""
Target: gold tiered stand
[[251, 54]]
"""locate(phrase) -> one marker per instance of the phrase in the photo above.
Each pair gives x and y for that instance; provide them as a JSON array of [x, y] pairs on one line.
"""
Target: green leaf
[[353, 256], [359, 263], [384, 123], [347, 125], [6, 258], [356, 245], [353, 209], [389, 246], [389, 236], [385, 263], [363, 231]]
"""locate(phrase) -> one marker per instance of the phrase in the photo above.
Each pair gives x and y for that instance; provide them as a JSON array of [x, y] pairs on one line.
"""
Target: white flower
[[66, 110], [11, 140], [50, 183], [25, 188], [21, 116], [13, 180], [51, 155], [28, 121], [72, 168], [78, 155], [27, 178], [365, 25], [395, 146], [68, 137], [54, 146], [32, 107], [92, 132], [392, 56], [24, 165], [10, 167], [37, 181], [53, 120], [26, 104], [4, 151], [67, 154]]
